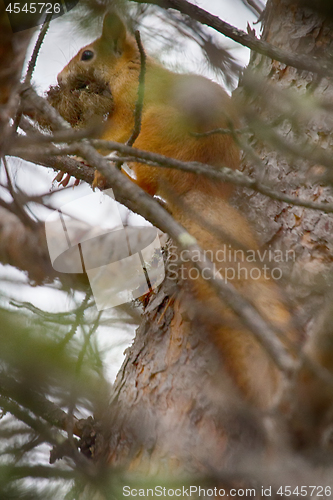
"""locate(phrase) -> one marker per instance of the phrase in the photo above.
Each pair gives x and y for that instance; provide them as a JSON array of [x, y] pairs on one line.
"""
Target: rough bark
[[294, 28], [177, 411]]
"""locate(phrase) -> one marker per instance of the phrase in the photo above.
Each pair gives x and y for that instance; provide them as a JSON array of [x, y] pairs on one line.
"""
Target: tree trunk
[[175, 403], [293, 97], [174, 410]]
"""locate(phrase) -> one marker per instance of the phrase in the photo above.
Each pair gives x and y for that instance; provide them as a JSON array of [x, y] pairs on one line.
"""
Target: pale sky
[[63, 42]]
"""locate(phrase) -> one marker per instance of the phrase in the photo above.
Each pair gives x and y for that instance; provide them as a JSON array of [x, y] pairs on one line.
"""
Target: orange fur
[[176, 107]]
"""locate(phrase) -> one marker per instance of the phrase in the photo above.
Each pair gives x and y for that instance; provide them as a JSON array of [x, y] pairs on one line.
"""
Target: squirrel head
[[103, 53], [85, 85]]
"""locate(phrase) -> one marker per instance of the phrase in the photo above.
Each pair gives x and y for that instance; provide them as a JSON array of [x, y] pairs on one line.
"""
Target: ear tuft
[[114, 29]]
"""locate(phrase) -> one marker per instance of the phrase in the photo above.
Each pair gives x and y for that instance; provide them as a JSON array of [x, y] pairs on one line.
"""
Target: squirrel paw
[[63, 179]]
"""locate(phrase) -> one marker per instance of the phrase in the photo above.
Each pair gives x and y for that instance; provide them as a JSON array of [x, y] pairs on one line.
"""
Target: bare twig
[[31, 65], [38, 44]]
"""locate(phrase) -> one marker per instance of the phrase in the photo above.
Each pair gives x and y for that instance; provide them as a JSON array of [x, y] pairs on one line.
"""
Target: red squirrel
[[178, 109]]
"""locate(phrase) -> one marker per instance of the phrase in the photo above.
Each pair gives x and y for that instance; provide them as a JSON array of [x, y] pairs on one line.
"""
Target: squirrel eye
[[87, 55]]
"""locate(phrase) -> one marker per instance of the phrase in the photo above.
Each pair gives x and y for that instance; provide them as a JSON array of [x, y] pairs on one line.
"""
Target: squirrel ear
[[114, 30]]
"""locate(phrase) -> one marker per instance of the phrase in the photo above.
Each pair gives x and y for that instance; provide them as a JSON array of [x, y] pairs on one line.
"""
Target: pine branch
[[302, 62]]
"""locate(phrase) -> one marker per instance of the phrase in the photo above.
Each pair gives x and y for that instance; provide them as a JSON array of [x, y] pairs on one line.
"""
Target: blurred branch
[[219, 57], [79, 317], [36, 471], [63, 318], [24, 416], [35, 402], [302, 62], [86, 342]]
